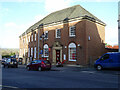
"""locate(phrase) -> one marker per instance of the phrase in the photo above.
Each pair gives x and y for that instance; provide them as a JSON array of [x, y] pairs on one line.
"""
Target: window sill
[[72, 36], [72, 60]]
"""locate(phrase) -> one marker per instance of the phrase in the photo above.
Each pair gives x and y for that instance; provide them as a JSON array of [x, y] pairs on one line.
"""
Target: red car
[[39, 65]]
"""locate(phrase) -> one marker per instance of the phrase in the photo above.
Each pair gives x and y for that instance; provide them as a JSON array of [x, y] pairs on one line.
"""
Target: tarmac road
[[61, 77]]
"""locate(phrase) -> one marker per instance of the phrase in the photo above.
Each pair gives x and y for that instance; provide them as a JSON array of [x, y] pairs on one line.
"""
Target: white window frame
[[29, 38], [34, 52], [32, 37], [71, 46], [35, 36], [24, 51], [57, 30], [46, 32], [70, 28], [46, 47]]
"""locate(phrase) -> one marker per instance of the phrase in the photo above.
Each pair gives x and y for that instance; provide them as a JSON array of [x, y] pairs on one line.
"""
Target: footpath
[[67, 68]]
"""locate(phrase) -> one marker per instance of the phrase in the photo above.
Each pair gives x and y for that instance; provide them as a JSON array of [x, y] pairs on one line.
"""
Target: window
[[31, 51], [34, 52], [105, 57], [24, 41], [24, 51], [46, 50], [58, 33], [29, 38], [46, 35], [32, 37], [72, 52], [35, 36], [72, 31]]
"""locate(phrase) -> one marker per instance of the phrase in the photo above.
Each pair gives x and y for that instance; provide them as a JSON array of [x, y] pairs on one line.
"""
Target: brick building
[[72, 34]]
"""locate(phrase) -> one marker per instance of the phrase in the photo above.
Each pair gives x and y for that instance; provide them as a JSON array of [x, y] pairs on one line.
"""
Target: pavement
[[80, 68]]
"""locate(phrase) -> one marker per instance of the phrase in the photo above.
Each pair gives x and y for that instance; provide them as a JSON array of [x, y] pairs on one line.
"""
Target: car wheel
[[99, 67], [28, 68], [16, 66], [40, 69], [49, 69]]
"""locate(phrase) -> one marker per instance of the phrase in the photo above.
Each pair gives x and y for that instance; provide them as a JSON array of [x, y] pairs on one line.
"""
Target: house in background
[[110, 48], [72, 34]]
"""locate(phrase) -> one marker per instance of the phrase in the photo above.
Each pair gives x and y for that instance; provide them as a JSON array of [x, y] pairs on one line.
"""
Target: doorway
[[57, 56]]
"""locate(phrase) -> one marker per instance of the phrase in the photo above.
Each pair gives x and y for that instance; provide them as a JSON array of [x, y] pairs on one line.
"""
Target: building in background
[[72, 34]]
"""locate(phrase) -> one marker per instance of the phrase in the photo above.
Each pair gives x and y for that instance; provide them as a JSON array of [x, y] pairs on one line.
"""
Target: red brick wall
[[87, 49]]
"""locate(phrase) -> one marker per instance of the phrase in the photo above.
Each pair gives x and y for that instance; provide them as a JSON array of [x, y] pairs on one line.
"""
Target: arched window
[[72, 52], [46, 50]]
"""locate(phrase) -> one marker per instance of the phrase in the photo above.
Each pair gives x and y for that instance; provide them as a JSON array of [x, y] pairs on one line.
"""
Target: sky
[[16, 16]]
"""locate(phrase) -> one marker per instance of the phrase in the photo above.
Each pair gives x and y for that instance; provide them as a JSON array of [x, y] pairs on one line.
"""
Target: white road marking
[[88, 71], [8, 86]]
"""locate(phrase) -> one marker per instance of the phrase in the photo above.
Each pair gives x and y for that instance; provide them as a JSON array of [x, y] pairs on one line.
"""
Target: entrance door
[[57, 56]]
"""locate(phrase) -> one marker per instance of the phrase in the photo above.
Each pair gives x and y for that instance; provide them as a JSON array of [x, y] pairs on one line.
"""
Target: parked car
[[3, 61], [108, 60], [11, 62], [39, 65]]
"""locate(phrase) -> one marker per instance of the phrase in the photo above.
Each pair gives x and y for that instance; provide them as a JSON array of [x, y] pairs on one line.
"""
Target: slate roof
[[71, 12]]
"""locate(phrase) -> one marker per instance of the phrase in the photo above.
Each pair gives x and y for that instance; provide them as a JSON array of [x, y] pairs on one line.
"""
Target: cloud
[[54, 5], [10, 24], [111, 35], [38, 18]]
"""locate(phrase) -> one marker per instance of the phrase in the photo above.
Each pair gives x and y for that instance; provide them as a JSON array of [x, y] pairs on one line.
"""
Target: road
[[68, 78]]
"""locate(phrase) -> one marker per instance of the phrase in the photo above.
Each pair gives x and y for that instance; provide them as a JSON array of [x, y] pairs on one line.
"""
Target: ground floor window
[[72, 52], [46, 50], [34, 52]]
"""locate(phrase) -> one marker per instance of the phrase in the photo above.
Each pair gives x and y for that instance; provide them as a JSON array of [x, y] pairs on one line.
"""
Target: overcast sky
[[18, 15]]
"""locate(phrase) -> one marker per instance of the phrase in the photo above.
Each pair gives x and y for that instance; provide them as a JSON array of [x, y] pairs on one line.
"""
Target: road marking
[[88, 71], [8, 86]]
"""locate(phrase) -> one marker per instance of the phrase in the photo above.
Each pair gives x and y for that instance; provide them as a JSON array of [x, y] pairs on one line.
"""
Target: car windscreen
[[13, 60], [46, 61]]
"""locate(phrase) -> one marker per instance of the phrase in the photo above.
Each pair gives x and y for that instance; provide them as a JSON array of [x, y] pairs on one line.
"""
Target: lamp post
[[42, 38]]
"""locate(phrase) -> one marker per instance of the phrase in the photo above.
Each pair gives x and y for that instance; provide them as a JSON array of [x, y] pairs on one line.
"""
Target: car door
[[34, 64], [106, 61]]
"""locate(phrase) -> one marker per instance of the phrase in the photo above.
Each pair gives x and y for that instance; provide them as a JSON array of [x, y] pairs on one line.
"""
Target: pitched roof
[[71, 12]]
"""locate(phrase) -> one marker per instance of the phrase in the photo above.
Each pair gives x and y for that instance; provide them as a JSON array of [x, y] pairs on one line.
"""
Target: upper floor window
[[32, 37], [28, 52], [29, 38], [72, 31], [58, 33], [23, 40], [35, 36], [46, 35], [31, 51]]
